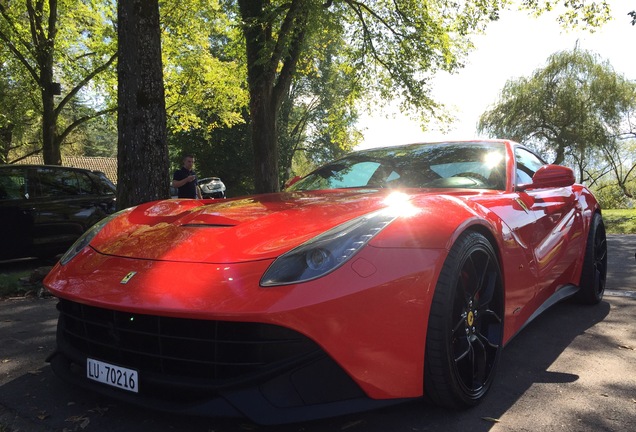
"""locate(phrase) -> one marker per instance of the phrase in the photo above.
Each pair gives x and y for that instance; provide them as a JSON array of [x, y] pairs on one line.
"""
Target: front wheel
[[594, 272], [465, 327]]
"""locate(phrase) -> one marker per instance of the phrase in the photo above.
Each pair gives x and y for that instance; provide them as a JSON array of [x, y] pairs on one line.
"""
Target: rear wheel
[[465, 327], [594, 272]]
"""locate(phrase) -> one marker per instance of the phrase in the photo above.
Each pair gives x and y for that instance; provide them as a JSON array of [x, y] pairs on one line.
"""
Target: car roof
[[10, 166]]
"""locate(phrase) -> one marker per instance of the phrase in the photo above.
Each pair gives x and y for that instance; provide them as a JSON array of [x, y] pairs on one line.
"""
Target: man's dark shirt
[[188, 190]]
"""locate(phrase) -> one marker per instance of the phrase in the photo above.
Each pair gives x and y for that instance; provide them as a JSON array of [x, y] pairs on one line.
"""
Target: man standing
[[185, 179]]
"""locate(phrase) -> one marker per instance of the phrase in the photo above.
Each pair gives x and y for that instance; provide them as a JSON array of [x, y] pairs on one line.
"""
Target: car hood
[[231, 231]]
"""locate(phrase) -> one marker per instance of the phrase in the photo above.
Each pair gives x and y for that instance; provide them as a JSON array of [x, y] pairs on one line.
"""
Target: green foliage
[[620, 221], [397, 47], [206, 91], [318, 119], [576, 102], [573, 13], [67, 42], [19, 120], [392, 48], [224, 152], [609, 195], [97, 137], [10, 284], [204, 73], [323, 60]]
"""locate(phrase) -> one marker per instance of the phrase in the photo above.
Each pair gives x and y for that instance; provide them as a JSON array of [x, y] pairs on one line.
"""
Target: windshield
[[475, 165]]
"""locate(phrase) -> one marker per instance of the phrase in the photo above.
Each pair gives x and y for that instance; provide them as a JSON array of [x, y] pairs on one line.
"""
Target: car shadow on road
[[46, 403]]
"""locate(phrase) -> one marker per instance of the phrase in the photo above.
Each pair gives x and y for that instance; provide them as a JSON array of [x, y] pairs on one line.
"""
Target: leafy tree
[[142, 156], [318, 117], [584, 13], [204, 71], [575, 103], [59, 43], [206, 91], [621, 165], [224, 152], [95, 138], [393, 46], [17, 117]]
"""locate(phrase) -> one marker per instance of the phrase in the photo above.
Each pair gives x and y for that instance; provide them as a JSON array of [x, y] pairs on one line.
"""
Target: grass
[[10, 285], [620, 221]]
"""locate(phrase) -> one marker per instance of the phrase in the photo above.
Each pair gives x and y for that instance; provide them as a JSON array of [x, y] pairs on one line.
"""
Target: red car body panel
[[204, 260]]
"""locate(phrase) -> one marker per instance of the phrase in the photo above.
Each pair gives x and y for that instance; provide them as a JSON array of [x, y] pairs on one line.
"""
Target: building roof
[[107, 165]]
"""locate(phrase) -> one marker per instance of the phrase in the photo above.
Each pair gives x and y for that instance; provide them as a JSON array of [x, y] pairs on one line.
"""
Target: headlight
[[85, 239], [326, 252]]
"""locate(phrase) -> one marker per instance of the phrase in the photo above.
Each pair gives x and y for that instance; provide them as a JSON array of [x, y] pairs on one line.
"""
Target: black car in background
[[44, 209]]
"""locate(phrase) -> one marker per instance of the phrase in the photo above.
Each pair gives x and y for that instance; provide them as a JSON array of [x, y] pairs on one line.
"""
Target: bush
[[612, 197], [11, 285], [620, 221]]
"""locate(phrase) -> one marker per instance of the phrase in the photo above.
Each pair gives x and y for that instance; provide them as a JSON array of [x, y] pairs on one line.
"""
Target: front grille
[[218, 352]]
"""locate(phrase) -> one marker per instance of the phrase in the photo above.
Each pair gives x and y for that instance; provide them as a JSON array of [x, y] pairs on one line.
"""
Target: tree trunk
[[50, 144], [6, 139], [270, 69], [264, 140], [560, 153], [142, 157]]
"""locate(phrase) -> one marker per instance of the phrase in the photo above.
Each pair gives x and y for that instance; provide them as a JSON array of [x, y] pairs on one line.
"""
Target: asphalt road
[[572, 369]]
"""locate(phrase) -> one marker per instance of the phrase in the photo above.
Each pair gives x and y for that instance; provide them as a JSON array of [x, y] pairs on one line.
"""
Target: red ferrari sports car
[[389, 274]]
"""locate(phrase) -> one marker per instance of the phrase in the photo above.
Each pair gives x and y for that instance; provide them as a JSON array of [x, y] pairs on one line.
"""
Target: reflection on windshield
[[475, 165]]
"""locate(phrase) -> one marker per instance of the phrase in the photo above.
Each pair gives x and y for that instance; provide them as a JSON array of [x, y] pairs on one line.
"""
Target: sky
[[513, 47]]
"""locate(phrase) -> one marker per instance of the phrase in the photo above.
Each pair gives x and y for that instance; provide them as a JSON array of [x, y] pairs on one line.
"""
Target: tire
[[465, 326], [594, 271]]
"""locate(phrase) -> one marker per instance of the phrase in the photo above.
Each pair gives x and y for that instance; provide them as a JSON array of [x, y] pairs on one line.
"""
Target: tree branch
[[9, 20], [286, 31], [82, 83], [79, 121], [20, 57]]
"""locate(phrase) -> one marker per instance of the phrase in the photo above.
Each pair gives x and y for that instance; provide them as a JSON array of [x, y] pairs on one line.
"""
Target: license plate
[[113, 375]]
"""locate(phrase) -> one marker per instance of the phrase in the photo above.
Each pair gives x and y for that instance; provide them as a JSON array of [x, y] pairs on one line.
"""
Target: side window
[[527, 164], [86, 185], [58, 182], [104, 184], [12, 184]]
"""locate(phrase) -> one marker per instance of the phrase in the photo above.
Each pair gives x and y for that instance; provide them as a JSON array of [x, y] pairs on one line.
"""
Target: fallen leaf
[[43, 415], [490, 419], [82, 421], [99, 410], [604, 395], [6, 360], [627, 347], [351, 424]]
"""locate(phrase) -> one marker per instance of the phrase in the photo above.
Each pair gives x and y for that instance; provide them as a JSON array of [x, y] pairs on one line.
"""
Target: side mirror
[[550, 176]]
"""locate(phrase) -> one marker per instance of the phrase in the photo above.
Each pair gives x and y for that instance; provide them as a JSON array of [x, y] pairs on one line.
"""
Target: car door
[[67, 202], [16, 218], [556, 239], [54, 205]]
